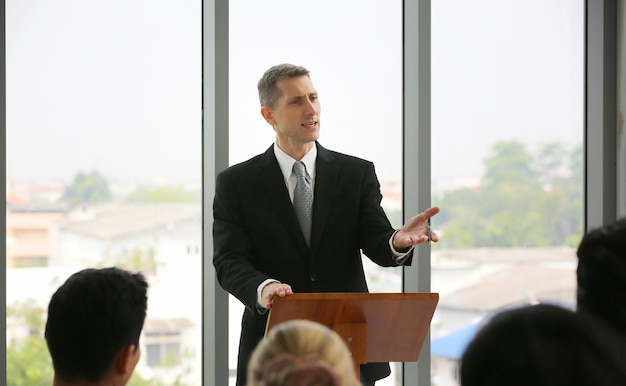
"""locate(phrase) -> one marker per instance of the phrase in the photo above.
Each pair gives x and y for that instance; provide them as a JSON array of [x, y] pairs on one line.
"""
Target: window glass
[[507, 136], [354, 52], [103, 166]]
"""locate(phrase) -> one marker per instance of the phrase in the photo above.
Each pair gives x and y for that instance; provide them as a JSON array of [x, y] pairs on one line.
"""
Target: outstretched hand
[[415, 231]]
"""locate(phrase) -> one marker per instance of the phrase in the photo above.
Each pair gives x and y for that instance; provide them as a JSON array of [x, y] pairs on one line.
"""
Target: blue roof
[[454, 344]]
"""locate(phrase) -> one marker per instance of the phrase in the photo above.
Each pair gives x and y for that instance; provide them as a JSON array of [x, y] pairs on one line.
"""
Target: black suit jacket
[[257, 236]]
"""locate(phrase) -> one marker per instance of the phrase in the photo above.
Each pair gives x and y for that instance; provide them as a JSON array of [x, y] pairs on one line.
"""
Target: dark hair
[[540, 345], [601, 274], [91, 317], [268, 91]]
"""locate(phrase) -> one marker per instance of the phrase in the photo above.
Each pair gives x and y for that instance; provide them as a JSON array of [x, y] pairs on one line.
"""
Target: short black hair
[[601, 274], [268, 91], [91, 317], [541, 345]]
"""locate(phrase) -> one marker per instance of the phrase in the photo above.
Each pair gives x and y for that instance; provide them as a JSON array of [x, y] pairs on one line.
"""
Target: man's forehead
[[294, 86]]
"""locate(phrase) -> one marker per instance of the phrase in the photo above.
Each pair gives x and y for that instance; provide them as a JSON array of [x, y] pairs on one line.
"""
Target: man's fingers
[[284, 291], [280, 290], [430, 212]]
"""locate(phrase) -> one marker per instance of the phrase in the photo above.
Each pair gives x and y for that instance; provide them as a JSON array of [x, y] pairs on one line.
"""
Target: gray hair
[[268, 91]]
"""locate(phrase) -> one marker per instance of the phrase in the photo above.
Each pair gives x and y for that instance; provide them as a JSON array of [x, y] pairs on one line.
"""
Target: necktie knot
[[299, 169]]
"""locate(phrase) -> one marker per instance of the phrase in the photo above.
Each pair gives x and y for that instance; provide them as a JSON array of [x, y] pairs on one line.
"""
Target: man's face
[[296, 118]]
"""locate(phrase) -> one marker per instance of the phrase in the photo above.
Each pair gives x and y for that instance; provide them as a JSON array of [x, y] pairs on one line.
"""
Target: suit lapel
[[325, 181], [273, 183]]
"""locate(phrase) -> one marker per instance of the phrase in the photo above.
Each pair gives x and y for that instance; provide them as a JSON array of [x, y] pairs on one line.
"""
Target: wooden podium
[[376, 327]]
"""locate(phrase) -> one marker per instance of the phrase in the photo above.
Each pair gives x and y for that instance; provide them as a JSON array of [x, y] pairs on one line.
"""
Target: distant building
[[161, 240], [28, 233], [133, 235], [474, 284]]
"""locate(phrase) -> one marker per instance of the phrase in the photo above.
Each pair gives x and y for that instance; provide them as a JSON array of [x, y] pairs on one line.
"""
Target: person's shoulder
[[342, 157], [247, 166]]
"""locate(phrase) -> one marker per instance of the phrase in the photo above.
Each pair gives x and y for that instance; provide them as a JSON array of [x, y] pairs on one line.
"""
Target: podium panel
[[377, 327]]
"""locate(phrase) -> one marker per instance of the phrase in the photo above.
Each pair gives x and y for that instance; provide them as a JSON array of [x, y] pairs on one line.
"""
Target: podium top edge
[[359, 295]]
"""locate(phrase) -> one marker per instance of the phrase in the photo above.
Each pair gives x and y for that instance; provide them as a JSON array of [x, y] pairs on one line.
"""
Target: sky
[[93, 88]]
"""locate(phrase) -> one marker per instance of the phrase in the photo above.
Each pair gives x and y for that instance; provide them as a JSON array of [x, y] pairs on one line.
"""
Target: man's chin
[[314, 136]]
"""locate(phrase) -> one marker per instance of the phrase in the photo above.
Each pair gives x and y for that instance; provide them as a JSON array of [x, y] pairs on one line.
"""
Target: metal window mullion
[[600, 113], [214, 159], [416, 156]]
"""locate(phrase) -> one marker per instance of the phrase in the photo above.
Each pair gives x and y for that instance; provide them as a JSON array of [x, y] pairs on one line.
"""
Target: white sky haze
[[92, 87]]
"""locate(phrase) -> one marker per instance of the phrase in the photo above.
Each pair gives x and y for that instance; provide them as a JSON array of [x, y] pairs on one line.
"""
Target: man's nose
[[311, 107]]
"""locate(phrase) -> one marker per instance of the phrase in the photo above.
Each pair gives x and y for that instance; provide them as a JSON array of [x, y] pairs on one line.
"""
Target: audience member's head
[[602, 274], [301, 352], [93, 327], [540, 345]]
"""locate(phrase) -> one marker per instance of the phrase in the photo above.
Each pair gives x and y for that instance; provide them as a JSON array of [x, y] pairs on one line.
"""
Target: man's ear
[[126, 359], [268, 114]]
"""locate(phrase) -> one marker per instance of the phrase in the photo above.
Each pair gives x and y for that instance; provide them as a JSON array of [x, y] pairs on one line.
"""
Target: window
[[163, 348], [165, 354], [104, 159], [507, 153], [51, 88], [355, 59]]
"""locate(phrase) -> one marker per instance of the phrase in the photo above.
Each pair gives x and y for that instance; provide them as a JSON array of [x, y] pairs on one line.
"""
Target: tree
[[550, 163], [509, 163], [164, 194], [28, 361], [87, 188], [516, 205]]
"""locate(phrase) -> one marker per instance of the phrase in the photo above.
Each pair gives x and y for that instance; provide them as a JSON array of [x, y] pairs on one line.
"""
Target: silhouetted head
[[91, 317], [602, 274], [540, 345]]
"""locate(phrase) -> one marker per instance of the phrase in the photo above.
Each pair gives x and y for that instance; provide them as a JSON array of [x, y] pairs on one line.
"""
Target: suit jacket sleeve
[[375, 228], [233, 258]]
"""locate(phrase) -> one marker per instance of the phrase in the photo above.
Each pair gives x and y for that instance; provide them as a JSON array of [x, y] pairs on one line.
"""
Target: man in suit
[[260, 248]]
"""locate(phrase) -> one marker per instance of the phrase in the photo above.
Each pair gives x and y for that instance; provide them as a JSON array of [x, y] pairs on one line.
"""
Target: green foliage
[[28, 363], [164, 194], [510, 164], [27, 313], [523, 200], [139, 259], [87, 188]]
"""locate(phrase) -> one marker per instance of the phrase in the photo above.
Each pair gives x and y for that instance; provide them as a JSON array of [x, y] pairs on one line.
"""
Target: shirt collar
[[286, 162]]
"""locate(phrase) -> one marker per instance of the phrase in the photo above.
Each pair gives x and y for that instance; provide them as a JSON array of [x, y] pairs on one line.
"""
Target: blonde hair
[[301, 349]]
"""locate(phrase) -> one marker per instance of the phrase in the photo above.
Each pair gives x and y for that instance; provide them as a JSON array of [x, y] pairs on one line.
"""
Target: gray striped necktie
[[303, 200]]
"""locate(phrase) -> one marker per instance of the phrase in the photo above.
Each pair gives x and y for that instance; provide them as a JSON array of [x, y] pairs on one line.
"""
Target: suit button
[[313, 277]]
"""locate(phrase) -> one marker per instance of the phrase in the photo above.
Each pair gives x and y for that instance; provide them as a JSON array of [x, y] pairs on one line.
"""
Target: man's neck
[[296, 152]]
